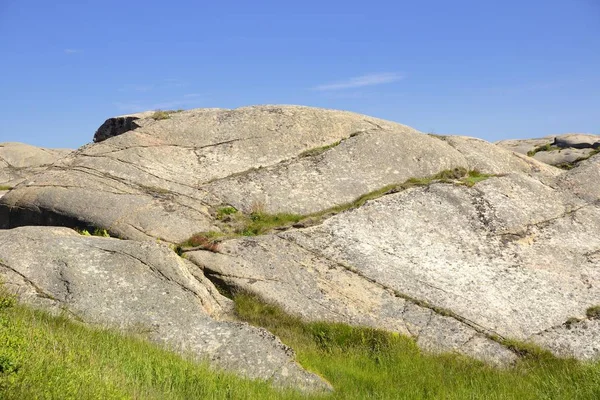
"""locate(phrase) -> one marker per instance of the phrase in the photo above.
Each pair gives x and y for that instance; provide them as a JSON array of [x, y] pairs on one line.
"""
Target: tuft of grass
[[319, 150], [593, 312], [365, 363], [259, 222], [5, 187], [48, 357], [570, 165], [160, 115], [546, 147], [95, 232]]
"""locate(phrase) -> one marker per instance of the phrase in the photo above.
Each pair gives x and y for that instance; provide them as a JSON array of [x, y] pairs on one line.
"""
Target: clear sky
[[484, 68]]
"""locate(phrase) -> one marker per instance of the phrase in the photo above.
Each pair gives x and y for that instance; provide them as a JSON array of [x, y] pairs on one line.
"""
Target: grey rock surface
[[563, 151], [142, 285], [514, 256], [166, 178], [494, 259], [19, 161]]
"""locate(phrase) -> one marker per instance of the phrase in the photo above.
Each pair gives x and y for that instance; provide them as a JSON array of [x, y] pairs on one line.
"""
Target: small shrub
[[593, 312], [159, 115], [204, 240]]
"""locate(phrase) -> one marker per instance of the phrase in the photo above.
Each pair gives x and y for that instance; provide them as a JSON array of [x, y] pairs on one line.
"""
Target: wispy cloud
[[136, 88], [70, 51], [190, 95], [361, 81]]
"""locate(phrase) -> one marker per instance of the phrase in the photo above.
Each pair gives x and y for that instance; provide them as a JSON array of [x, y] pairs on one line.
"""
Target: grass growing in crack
[[5, 187], [319, 150], [258, 222], [46, 357], [367, 363], [95, 232], [545, 147], [570, 165]]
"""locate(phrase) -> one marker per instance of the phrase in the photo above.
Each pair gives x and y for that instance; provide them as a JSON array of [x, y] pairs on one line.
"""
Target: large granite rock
[[18, 161], [450, 265], [454, 266], [142, 286], [166, 178]]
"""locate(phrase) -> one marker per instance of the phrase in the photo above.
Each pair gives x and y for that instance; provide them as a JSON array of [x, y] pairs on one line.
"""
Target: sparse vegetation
[[5, 187], [573, 164], [95, 232], [259, 222], [319, 150], [593, 312], [159, 115], [546, 147]]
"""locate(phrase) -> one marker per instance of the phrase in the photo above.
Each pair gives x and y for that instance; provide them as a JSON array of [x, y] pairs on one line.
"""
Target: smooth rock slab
[[128, 285], [19, 161], [511, 256]]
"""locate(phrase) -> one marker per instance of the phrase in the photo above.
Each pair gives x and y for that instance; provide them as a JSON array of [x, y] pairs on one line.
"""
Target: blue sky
[[490, 69]]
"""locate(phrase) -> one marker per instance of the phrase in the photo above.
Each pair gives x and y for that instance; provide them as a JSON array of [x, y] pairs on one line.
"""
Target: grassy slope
[[56, 358]]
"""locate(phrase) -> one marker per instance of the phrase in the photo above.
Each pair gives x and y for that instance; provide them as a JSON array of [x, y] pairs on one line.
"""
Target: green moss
[[5, 187]]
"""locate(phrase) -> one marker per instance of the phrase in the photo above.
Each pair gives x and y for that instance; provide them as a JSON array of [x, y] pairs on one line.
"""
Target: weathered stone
[[118, 125], [141, 285], [164, 179], [508, 257], [578, 141], [19, 161], [524, 146]]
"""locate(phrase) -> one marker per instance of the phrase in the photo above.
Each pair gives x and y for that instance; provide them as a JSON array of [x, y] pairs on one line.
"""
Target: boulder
[[18, 161], [459, 265], [577, 141], [142, 286]]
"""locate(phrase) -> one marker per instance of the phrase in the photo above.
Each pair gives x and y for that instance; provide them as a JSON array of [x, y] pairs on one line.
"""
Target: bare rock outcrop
[[458, 264], [18, 161]]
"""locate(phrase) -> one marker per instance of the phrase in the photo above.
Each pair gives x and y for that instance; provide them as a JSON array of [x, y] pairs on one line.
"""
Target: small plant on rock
[[159, 115], [593, 312]]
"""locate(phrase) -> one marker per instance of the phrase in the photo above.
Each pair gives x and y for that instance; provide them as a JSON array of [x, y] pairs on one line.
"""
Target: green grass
[[319, 150], [258, 222], [45, 357], [546, 147], [159, 115], [5, 187], [363, 363]]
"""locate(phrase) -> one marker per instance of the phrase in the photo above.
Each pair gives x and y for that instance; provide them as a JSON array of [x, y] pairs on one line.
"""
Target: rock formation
[[452, 240], [18, 161]]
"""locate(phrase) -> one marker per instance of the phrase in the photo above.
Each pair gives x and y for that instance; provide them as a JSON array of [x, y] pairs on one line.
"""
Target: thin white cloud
[[361, 81], [189, 95], [71, 51], [136, 88]]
